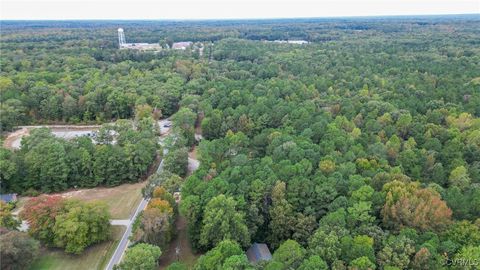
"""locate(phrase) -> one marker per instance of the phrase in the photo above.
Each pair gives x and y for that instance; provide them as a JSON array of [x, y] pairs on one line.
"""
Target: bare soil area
[[13, 139]]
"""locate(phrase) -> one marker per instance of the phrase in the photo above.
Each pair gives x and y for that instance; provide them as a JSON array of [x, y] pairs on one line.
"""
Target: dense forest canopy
[[360, 149], [72, 71]]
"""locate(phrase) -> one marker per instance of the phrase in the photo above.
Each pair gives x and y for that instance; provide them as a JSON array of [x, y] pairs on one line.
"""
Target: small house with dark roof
[[8, 198], [258, 252]]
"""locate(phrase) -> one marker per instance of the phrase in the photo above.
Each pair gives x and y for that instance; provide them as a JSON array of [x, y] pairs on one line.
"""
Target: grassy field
[[95, 257], [121, 200]]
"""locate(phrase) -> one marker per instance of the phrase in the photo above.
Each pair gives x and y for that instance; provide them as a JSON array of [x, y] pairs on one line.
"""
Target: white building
[[181, 45], [137, 46]]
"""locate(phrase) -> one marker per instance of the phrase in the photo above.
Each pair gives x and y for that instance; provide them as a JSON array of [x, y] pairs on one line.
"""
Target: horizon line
[[251, 18]]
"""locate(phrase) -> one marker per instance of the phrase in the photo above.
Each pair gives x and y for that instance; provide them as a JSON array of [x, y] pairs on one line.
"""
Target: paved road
[[119, 222], [122, 246], [193, 164], [117, 256]]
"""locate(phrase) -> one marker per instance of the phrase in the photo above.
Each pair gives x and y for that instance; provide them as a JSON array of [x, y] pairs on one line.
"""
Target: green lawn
[[95, 257]]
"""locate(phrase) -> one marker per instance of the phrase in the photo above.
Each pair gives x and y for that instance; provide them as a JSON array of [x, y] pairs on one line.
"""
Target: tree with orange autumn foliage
[[155, 225], [162, 205], [161, 193], [407, 205], [66, 223], [40, 213]]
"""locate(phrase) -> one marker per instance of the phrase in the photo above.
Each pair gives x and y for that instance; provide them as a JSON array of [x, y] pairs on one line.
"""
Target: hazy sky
[[216, 9]]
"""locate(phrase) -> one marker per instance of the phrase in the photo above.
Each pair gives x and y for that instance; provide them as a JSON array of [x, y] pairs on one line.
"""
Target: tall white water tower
[[121, 38]]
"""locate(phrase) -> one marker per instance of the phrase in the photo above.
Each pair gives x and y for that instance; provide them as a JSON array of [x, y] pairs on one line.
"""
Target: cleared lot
[[121, 200]]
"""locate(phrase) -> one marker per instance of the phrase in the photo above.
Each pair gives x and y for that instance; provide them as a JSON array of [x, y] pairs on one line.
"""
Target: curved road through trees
[[123, 244]]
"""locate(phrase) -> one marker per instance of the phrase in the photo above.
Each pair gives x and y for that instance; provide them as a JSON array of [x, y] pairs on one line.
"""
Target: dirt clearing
[[14, 139]]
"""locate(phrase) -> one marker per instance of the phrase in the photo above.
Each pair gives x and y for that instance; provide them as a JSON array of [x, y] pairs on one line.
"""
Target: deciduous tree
[[81, 225], [40, 213], [222, 220], [218, 255], [408, 205], [140, 257], [290, 254], [6, 218], [18, 250]]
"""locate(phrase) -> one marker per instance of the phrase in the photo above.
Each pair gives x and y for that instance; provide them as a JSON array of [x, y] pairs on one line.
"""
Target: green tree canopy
[[140, 256]]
